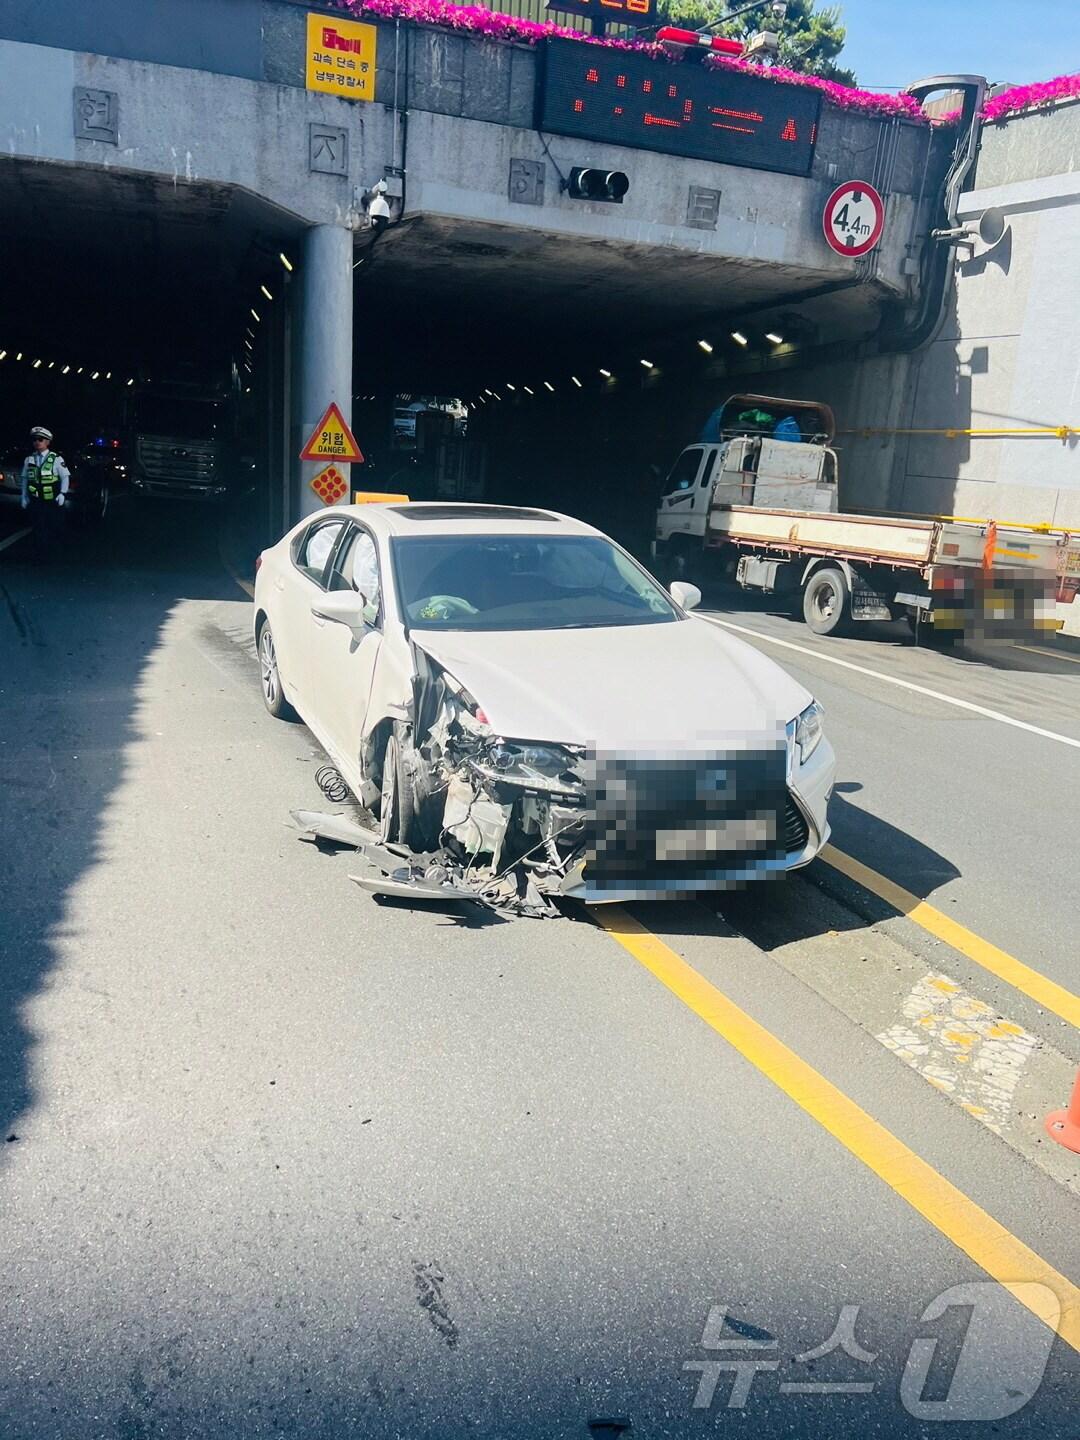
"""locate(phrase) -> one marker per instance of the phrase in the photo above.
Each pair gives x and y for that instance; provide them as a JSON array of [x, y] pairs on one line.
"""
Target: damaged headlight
[[546, 767], [808, 731]]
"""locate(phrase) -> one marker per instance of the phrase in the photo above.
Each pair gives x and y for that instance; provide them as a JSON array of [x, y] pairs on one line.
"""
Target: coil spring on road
[[331, 784]]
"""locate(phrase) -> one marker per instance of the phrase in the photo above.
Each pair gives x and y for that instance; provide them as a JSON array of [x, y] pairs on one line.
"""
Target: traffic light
[[589, 184]]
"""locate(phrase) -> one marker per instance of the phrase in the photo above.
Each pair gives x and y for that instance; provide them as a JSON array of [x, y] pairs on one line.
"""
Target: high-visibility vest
[[43, 482]]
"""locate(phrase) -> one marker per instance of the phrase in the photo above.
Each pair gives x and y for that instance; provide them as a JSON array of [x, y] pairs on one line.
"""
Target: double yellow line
[[1044, 992], [993, 1248]]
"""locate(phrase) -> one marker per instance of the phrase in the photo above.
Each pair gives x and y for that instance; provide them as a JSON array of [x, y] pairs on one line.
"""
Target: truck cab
[[754, 450]]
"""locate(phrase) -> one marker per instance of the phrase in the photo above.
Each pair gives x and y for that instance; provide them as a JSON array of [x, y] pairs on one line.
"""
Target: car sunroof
[[470, 512]]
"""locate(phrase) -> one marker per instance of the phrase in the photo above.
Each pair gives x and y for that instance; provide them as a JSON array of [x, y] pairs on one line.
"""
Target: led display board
[[627, 98], [625, 12]]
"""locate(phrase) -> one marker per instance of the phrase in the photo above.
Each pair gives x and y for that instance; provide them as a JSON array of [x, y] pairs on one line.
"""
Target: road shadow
[[780, 910], [77, 633]]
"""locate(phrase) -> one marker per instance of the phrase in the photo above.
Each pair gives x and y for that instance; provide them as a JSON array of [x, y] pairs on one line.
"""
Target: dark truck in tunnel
[[179, 446]]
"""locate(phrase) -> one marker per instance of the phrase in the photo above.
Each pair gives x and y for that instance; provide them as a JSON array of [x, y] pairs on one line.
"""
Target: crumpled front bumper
[[805, 826]]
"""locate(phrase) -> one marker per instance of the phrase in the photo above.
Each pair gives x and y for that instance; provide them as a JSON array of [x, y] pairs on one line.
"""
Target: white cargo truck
[[764, 510]]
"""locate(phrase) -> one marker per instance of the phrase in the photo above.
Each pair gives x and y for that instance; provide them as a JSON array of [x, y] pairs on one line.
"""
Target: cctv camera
[[379, 213]]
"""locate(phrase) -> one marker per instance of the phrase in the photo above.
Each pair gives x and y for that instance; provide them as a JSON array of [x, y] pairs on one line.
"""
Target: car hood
[[679, 686]]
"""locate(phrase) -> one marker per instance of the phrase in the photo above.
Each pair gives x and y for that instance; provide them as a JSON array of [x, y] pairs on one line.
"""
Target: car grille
[[174, 462], [796, 830]]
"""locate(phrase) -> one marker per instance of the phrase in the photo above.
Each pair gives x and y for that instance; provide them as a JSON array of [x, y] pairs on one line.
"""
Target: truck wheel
[[684, 559], [826, 605]]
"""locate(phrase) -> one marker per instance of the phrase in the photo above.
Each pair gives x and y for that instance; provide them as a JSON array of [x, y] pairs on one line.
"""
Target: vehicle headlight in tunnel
[[808, 731]]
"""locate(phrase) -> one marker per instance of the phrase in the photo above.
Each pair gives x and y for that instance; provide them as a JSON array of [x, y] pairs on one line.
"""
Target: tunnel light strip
[[772, 335], [605, 373], [286, 262], [258, 317], [706, 346], [647, 364], [548, 386], [577, 382], [739, 337], [266, 292]]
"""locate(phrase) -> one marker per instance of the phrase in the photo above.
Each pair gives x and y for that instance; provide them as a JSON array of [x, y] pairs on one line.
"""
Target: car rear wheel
[[272, 688], [826, 602]]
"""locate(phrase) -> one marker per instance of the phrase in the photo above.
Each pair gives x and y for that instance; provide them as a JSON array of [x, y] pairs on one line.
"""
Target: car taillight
[[258, 562]]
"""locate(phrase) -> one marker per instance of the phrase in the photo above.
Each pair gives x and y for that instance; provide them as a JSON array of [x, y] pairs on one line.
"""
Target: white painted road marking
[[904, 684], [960, 1045], [17, 536]]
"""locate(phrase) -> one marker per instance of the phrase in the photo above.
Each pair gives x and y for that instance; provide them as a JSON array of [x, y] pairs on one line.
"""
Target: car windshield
[[188, 419], [523, 582]]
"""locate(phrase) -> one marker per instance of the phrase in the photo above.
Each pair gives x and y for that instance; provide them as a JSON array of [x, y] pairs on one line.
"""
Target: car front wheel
[[397, 807], [272, 689]]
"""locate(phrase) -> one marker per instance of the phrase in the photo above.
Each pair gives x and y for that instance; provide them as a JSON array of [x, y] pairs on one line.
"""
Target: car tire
[[273, 691], [826, 603], [397, 802]]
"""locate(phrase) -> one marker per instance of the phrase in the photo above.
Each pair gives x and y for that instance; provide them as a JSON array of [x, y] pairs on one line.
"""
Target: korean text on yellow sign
[[341, 57]]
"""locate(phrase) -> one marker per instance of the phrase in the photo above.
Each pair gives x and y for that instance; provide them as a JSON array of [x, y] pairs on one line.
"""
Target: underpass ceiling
[[113, 268], [437, 300]]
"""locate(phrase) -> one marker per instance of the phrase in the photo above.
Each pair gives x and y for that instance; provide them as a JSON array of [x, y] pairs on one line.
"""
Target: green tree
[[810, 39]]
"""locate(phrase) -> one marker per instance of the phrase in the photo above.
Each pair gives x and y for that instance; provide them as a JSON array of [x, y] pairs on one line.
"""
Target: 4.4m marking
[[854, 218]]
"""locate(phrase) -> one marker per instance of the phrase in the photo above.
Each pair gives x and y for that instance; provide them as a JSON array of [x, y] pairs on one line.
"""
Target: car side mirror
[[685, 594], [343, 607]]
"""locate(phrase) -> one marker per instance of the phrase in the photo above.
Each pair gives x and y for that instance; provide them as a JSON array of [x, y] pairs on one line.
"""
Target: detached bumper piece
[[437, 878], [440, 879]]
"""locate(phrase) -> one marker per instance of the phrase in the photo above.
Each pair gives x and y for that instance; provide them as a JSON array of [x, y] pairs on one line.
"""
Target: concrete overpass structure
[[156, 163]]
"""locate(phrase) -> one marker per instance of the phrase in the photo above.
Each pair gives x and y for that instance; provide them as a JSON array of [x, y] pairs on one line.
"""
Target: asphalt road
[[282, 1161]]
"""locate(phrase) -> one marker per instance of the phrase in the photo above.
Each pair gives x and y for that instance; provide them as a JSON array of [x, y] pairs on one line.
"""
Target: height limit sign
[[854, 218]]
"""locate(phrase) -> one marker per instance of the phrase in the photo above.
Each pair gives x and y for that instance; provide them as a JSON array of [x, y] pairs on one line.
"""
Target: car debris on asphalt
[[435, 877]]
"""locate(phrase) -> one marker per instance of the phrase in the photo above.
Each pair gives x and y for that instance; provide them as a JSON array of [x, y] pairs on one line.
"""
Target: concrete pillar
[[325, 347]]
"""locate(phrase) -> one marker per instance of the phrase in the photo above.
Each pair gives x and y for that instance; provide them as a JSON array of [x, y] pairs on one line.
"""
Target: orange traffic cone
[[1064, 1125]]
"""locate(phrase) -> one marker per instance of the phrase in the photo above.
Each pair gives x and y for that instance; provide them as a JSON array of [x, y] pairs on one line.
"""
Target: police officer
[[45, 480]]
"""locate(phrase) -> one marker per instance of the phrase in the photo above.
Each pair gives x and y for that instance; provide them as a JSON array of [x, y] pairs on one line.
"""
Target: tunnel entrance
[[130, 330], [155, 329], [583, 366]]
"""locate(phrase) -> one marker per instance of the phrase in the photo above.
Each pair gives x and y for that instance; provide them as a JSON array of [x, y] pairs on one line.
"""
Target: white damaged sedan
[[514, 695]]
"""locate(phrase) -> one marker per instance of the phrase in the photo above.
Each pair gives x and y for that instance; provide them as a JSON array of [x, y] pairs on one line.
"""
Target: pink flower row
[[1026, 97], [494, 25]]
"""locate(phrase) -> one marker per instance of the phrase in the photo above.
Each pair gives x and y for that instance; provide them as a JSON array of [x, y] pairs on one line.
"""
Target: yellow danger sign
[[330, 485], [332, 440], [341, 57]]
